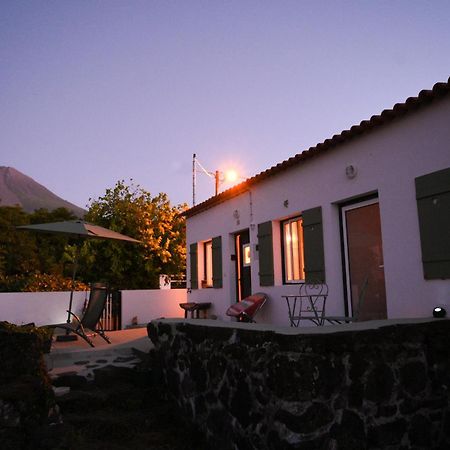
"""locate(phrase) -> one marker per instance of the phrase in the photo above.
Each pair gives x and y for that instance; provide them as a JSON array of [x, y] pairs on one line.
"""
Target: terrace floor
[[117, 409], [78, 358]]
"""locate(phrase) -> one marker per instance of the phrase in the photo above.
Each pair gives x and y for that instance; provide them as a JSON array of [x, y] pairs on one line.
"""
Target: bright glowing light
[[231, 176]]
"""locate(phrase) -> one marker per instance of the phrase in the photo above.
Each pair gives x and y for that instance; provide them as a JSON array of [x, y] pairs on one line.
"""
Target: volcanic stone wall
[[27, 401], [247, 388]]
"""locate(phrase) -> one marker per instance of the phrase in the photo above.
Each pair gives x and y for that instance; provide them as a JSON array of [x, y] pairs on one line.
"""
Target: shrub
[[38, 282]]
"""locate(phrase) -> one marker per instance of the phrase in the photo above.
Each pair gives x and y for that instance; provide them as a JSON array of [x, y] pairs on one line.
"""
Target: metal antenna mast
[[215, 175], [194, 156]]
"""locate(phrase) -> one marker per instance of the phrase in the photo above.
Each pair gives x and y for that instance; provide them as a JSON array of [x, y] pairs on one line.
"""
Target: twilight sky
[[96, 91]]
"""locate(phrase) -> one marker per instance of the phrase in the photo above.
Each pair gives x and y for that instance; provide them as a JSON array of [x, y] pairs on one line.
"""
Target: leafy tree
[[18, 252], [130, 210], [33, 261], [54, 251], [41, 261]]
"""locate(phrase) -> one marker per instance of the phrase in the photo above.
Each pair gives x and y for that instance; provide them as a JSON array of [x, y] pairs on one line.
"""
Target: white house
[[370, 203]]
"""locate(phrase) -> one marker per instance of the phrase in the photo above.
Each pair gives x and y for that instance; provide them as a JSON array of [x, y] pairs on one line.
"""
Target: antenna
[[194, 157]]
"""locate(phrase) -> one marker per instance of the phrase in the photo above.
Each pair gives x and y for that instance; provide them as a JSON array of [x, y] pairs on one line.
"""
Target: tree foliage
[[31, 261], [18, 252], [130, 210]]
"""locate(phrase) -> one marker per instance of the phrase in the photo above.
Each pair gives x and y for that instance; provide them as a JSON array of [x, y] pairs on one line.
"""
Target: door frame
[[354, 204], [239, 261]]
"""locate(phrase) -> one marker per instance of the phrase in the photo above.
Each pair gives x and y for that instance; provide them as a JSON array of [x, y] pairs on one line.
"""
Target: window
[[294, 264], [208, 264], [246, 261]]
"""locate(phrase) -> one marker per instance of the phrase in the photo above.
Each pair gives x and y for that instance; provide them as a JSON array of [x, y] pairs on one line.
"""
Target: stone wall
[[252, 388], [27, 401]]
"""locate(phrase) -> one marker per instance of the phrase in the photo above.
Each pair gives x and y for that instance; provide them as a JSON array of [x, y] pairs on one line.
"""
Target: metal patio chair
[[337, 320], [91, 316], [247, 308], [308, 304]]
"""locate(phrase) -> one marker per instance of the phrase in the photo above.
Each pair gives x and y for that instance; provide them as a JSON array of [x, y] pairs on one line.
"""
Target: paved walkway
[[78, 358]]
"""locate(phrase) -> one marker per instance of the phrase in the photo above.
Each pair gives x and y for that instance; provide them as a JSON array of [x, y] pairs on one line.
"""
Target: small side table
[[195, 308]]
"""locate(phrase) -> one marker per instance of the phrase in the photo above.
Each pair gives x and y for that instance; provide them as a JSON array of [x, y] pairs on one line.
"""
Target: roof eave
[[411, 104]]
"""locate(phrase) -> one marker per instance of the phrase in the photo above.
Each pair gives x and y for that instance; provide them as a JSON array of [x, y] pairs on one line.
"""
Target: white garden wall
[[45, 308], [147, 305], [42, 308]]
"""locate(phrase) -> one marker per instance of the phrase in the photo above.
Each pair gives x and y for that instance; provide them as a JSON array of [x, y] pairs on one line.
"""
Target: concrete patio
[[104, 403], [78, 358]]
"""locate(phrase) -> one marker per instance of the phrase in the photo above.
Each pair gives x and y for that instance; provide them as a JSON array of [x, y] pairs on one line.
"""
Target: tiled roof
[[424, 98]]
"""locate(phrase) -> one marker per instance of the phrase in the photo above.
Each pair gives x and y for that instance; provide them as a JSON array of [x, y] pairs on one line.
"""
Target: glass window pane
[[295, 255], [301, 258], [208, 263], [287, 252], [293, 250], [246, 256]]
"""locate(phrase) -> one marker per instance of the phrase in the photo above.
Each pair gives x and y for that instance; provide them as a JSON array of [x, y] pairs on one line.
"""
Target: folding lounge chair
[[247, 308], [91, 317]]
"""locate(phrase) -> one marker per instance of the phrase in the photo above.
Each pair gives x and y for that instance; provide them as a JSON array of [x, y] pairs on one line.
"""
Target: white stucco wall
[[148, 305], [45, 308], [42, 308], [388, 160]]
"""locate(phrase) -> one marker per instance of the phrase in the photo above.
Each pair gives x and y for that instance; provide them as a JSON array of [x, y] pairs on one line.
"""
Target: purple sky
[[96, 91]]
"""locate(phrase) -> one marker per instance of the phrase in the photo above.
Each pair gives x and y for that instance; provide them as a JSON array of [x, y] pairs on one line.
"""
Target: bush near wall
[[38, 282], [385, 388], [27, 402]]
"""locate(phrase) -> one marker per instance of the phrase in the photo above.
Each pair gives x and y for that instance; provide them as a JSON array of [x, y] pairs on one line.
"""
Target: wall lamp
[[439, 312]]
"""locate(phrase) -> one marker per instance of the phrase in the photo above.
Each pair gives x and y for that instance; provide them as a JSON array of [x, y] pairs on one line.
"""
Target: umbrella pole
[[74, 272], [68, 336]]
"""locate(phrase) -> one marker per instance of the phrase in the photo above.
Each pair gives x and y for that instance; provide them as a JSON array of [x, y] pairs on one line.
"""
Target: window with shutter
[[292, 236], [265, 246], [217, 262], [433, 206], [193, 265], [207, 280], [313, 245]]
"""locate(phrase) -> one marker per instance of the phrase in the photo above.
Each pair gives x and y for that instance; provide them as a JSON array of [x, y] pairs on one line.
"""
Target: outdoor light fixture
[[231, 176], [351, 172], [439, 312], [219, 177]]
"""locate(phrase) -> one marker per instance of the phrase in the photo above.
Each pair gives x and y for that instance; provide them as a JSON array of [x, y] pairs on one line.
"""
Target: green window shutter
[[433, 206], [217, 261], [194, 265], [265, 248], [313, 245]]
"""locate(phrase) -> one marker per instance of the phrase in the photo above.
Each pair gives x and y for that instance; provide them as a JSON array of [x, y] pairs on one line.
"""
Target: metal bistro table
[[308, 304]]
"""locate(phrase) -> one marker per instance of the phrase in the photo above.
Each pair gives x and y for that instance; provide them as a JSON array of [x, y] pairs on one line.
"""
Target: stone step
[[85, 364], [61, 391], [59, 359]]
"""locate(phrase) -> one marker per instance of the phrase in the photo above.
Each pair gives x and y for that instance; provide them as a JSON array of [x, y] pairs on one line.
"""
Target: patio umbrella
[[78, 228], [81, 230]]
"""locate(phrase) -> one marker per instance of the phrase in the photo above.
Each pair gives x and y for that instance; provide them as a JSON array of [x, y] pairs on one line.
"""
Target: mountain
[[17, 188]]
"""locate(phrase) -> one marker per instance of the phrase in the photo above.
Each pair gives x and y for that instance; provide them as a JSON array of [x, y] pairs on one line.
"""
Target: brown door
[[364, 260]]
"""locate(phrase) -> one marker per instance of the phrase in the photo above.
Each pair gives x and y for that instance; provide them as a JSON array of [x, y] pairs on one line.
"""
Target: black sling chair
[[91, 316]]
